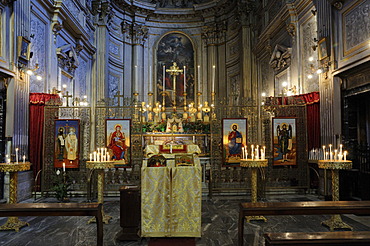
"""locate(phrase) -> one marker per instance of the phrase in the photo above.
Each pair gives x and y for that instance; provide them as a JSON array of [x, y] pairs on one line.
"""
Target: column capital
[[136, 32]]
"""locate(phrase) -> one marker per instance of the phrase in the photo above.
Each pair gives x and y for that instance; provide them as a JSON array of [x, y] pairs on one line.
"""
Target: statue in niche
[[174, 124]]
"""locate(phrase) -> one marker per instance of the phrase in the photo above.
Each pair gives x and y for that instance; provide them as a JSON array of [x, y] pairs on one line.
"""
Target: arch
[[179, 48]]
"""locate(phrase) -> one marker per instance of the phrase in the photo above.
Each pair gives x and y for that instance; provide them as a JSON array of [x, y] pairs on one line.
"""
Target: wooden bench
[[299, 208], [318, 238], [57, 209]]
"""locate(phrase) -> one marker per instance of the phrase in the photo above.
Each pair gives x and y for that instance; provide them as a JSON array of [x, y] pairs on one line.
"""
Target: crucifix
[[67, 96], [118, 96], [174, 71]]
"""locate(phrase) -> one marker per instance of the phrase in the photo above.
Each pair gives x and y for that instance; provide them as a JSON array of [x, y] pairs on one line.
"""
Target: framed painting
[[323, 49], [284, 141], [184, 160], [118, 141], [234, 136], [23, 49], [67, 143]]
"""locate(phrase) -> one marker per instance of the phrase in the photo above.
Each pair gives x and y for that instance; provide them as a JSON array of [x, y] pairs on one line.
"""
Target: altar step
[[170, 241]]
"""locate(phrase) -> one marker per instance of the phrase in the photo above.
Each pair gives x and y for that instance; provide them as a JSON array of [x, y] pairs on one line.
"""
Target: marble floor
[[219, 225]]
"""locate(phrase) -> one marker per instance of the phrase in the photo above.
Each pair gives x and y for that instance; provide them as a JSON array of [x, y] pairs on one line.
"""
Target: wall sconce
[[23, 68]]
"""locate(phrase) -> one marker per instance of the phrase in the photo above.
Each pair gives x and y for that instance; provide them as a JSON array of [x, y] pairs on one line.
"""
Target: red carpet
[[172, 241]]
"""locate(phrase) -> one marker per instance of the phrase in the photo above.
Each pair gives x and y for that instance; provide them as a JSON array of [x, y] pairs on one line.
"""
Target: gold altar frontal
[[171, 200], [335, 222], [254, 164], [13, 223], [100, 166]]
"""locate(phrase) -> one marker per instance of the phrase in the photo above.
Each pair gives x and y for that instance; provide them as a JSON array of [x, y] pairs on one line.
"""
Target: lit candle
[[323, 149], [340, 148], [246, 153], [243, 152], [335, 155], [330, 147], [7, 159], [198, 78], [94, 155], [90, 157], [171, 148], [106, 151], [213, 77], [252, 147], [64, 167], [257, 152], [327, 155], [345, 155], [108, 157], [24, 159], [331, 156], [184, 79], [16, 155], [193, 139], [164, 77]]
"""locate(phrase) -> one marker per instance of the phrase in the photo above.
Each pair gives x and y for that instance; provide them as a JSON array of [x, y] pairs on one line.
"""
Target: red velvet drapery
[[312, 101], [37, 104]]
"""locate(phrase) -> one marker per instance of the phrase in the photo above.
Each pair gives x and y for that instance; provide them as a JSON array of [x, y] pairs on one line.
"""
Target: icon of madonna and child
[[118, 142]]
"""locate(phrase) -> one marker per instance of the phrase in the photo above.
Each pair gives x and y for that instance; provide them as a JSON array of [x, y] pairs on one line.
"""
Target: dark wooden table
[[318, 238], [57, 209], [299, 208]]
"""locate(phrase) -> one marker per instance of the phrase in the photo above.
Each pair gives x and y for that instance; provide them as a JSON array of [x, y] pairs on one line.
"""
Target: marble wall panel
[[308, 33], [38, 47], [81, 82], [113, 84], [356, 25]]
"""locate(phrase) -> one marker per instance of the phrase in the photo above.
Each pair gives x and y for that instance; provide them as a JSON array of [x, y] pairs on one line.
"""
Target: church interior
[[172, 122]]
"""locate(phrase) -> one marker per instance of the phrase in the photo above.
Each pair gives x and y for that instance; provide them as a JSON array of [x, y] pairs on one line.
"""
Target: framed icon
[[234, 136], [284, 141], [118, 141]]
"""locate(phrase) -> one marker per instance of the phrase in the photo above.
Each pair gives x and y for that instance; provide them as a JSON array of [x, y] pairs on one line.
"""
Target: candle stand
[[254, 164], [335, 222], [13, 223], [100, 166]]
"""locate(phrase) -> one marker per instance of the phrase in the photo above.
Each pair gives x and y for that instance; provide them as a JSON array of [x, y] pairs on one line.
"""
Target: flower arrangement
[[61, 186]]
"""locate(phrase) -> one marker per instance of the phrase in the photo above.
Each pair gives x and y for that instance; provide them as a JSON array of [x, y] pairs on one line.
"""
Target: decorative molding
[[67, 58], [136, 32], [214, 33], [7, 2], [281, 58]]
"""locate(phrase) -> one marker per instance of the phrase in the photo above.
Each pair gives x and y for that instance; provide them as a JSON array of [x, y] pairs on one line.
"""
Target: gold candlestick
[[163, 101], [100, 166], [335, 222], [254, 165], [13, 223]]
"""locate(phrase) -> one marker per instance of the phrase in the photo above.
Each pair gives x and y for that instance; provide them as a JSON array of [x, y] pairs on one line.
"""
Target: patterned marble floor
[[219, 225]]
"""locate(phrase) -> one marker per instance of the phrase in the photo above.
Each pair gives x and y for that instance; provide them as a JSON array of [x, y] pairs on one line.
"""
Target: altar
[[171, 198]]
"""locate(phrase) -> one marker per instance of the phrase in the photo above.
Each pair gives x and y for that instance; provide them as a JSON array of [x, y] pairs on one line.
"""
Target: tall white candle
[[193, 139], [323, 149], [64, 167], [164, 78], [7, 159], [330, 147], [335, 155], [16, 155], [198, 78], [24, 159], [243, 153], [136, 79], [90, 157], [340, 148], [171, 148], [252, 147], [213, 77], [94, 155], [184, 79], [331, 156], [345, 155], [150, 79]]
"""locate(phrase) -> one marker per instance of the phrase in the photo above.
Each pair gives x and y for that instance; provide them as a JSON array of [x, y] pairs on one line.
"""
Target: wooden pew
[[318, 238], [57, 209], [299, 208]]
